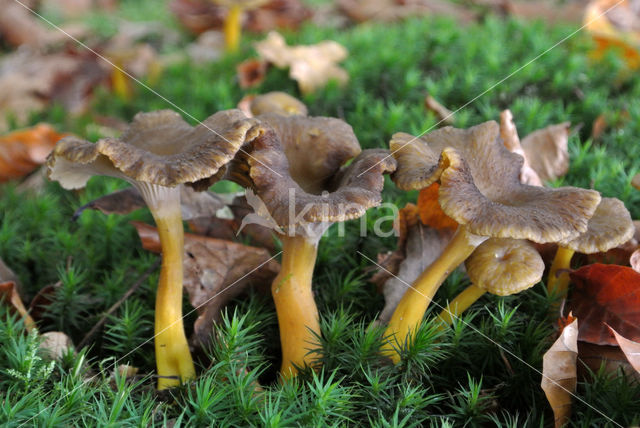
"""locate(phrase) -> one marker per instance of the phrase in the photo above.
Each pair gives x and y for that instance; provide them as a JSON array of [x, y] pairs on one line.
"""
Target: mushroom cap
[[610, 226], [480, 185], [277, 102], [158, 148], [315, 147], [505, 266], [347, 193]]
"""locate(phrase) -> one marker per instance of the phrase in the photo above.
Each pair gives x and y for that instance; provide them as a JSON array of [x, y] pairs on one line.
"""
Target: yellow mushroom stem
[[558, 284], [173, 358], [295, 305], [233, 27], [461, 303], [409, 313]]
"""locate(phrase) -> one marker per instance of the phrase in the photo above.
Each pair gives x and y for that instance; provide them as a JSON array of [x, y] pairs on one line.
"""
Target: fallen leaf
[[312, 66], [430, 212], [442, 113], [43, 298], [244, 105], [55, 344], [547, 151], [634, 260], [606, 294], [635, 181], [395, 10], [615, 25], [193, 204], [9, 293], [594, 358], [511, 140], [559, 374], [215, 271], [630, 348], [23, 151], [418, 247], [6, 275], [208, 47], [124, 370], [550, 11], [18, 26], [598, 127], [251, 73]]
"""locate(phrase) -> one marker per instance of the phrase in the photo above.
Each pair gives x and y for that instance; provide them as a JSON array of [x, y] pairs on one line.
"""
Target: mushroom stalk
[[295, 305], [173, 358], [233, 27], [461, 303], [409, 312], [558, 284]]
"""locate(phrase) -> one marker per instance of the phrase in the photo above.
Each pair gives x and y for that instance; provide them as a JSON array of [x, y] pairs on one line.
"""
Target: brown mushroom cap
[[277, 102], [158, 148], [347, 192], [610, 226], [505, 266], [315, 147], [480, 185]]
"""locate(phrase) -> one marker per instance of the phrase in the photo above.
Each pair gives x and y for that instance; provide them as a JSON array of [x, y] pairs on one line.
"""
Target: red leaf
[[606, 294]]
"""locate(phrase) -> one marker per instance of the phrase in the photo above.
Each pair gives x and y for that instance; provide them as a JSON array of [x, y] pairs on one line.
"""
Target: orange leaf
[[23, 151], [606, 294], [430, 212], [10, 295]]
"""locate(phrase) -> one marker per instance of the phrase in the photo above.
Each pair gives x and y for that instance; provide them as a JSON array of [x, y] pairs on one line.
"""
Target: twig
[[117, 304]]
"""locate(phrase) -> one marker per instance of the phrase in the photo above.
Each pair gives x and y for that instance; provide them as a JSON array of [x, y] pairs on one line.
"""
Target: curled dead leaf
[[251, 73], [9, 294], [215, 271], [634, 260], [312, 66], [442, 113], [547, 151], [394, 10], [630, 348], [559, 373]]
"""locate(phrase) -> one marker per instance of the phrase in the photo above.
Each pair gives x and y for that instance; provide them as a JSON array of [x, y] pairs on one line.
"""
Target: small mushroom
[[500, 266], [610, 226], [156, 154], [277, 102], [313, 191], [480, 188], [233, 21]]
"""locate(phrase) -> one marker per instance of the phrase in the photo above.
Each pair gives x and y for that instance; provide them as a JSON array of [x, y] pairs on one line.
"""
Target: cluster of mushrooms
[[310, 172]]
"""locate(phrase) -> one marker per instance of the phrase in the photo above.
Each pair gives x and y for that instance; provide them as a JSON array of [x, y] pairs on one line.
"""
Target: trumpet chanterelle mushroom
[[310, 190], [500, 266], [610, 226], [480, 188], [156, 154]]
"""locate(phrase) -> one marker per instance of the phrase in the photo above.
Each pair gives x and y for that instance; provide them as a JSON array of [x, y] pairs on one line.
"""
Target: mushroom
[[158, 152], [610, 226], [481, 190], [277, 102], [500, 266], [233, 21], [313, 191]]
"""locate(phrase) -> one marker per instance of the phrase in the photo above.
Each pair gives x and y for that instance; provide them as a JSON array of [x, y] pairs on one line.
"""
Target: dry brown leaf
[[559, 374], [124, 370], [419, 246], [9, 293], [215, 271], [23, 151], [251, 73], [442, 113], [193, 204], [395, 10], [547, 151], [19, 26], [630, 348], [598, 127], [7, 275], [511, 140], [55, 344], [312, 66], [635, 181], [550, 11]]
